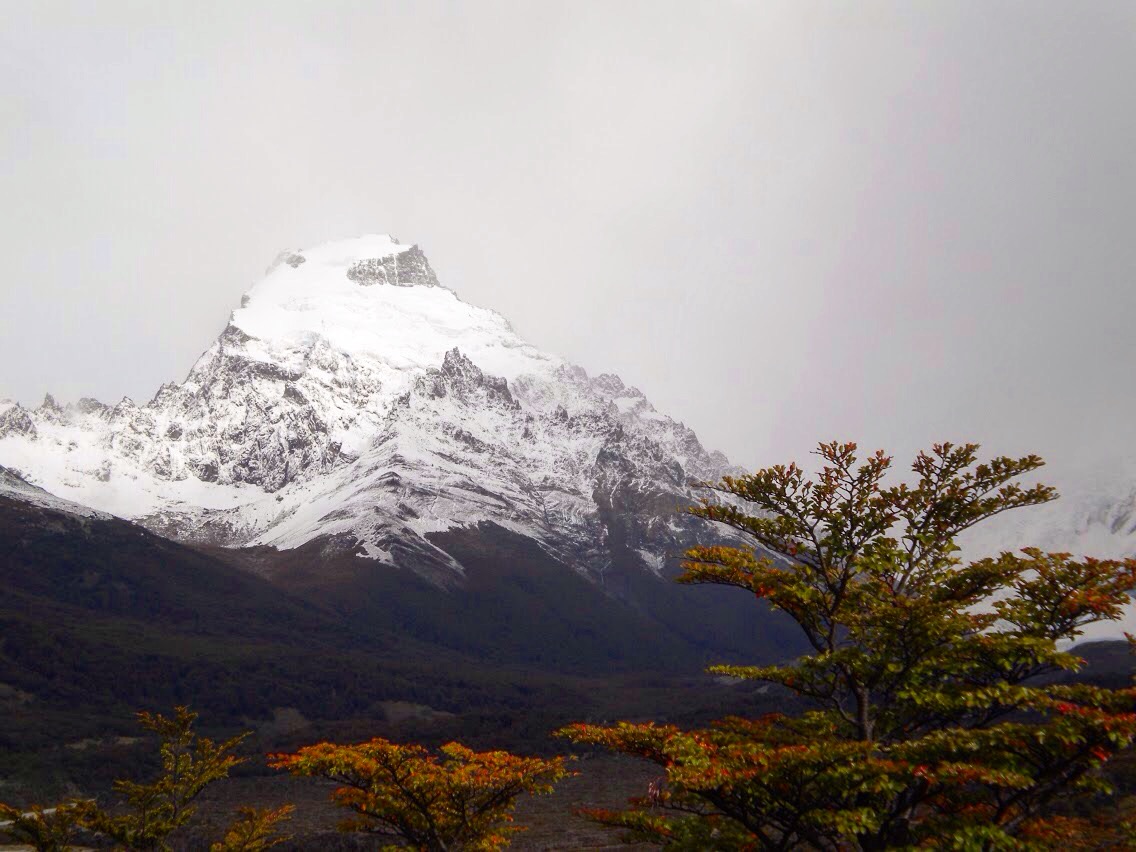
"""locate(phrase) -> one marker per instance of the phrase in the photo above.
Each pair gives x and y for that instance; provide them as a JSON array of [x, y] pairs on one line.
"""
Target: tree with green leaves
[[155, 810], [150, 812], [43, 829], [935, 718], [255, 830], [456, 799]]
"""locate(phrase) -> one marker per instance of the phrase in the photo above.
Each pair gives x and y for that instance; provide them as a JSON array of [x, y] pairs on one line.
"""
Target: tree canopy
[[457, 799], [936, 715]]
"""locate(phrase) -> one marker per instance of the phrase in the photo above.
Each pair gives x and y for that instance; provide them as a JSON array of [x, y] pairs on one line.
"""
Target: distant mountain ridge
[[354, 401], [1095, 514], [352, 397]]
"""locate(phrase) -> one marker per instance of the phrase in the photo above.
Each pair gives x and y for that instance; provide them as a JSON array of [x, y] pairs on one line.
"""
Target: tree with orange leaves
[[457, 799], [929, 721]]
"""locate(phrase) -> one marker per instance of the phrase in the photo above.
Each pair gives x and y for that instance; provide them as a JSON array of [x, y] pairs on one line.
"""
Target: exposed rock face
[[292, 258], [376, 416], [406, 269], [15, 420]]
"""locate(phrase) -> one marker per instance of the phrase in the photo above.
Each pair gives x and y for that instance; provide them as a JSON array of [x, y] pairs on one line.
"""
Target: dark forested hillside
[[100, 618]]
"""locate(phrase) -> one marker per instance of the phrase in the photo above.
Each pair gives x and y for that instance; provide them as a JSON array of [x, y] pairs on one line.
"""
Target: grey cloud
[[784, 221]]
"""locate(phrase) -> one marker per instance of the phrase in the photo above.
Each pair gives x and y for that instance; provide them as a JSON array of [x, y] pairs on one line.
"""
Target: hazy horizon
[[784, 222]]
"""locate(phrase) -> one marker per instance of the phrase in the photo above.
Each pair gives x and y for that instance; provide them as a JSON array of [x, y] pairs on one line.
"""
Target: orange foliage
[[457, 798]]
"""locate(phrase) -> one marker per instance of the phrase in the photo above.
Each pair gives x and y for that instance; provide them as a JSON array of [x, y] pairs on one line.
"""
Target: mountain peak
[[342, 253], [375, 298], [353, 398]]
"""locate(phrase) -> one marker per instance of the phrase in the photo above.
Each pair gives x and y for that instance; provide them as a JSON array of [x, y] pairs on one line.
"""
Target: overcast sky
[[785, 222]]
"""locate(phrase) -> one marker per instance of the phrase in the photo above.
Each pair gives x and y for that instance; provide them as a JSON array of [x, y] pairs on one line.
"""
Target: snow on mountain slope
[[15, 487], [352, 397], [1095, 515], [333, 298]]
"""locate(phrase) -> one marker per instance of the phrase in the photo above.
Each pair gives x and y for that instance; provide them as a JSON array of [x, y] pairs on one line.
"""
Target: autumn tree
[[935, 719], [457, 799], [149, 813]]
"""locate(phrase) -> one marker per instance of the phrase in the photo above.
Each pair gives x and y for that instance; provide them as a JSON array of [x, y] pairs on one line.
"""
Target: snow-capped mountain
[[1095, 515], [352, 397]]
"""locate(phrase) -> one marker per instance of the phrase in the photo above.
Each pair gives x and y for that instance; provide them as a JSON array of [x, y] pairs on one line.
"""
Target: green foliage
[[458, 799], [929, 724], [254, 831], [156, 810], [44, 829], [149, 814]]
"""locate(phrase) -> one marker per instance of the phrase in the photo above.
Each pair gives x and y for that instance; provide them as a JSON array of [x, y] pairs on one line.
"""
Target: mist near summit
[[784, 222]]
